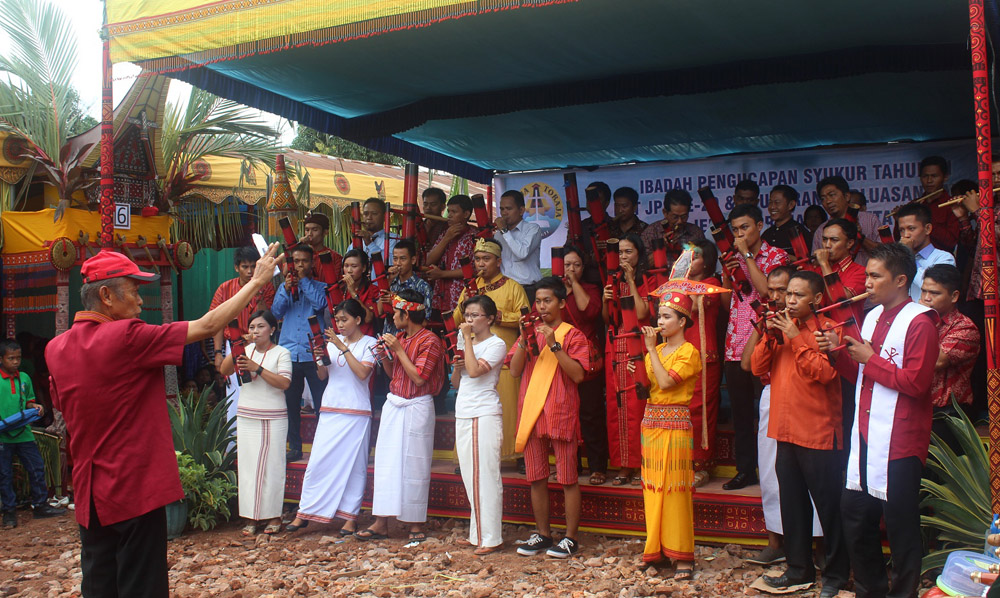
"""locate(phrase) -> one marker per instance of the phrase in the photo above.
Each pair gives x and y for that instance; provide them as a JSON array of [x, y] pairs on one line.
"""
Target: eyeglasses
[[470, 314]]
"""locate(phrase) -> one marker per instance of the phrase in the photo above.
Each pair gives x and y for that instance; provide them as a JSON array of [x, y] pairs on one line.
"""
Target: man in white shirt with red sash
[[892, 424]]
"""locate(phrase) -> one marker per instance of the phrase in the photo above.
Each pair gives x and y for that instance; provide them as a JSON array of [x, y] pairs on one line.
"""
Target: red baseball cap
[[111, 264]]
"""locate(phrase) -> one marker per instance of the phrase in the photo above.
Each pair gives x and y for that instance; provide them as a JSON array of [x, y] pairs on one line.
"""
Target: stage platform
[[720, 517]]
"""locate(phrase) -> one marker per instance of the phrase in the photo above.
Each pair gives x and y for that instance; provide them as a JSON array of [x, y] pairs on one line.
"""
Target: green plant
[[207, 496], [205, 433], [958, 493]]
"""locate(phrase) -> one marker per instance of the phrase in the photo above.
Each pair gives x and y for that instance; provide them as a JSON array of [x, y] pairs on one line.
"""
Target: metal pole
[[987, 235]]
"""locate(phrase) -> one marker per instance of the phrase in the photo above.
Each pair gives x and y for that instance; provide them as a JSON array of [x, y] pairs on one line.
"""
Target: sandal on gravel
[[598, 478], [484, 550], [249, 530], [417, 537], [272, 528], [346, 532], [367, 534], [619, 480], [683, 574], [637, 480]]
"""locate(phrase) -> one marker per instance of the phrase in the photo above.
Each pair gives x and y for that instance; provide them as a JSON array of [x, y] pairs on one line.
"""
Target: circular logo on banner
[[343, 185], [543, 206]]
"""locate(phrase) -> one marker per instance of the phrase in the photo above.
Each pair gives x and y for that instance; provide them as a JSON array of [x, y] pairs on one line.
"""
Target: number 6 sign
[[123, 216]]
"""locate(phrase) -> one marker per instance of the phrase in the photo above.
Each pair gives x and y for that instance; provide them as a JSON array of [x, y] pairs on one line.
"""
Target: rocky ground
[[41, 558]]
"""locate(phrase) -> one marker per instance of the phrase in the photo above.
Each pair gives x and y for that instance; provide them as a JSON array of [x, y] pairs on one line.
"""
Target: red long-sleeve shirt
[[911, 427]]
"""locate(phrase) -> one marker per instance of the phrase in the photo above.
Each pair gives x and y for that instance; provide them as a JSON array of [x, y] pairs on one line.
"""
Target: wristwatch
[[260, 369], [748, 255], [555, 347]]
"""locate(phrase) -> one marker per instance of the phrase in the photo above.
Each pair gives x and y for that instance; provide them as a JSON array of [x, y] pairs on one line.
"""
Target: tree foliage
[[311, 140]]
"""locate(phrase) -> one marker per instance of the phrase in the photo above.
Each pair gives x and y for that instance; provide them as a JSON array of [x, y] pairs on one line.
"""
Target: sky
[[87, 17]]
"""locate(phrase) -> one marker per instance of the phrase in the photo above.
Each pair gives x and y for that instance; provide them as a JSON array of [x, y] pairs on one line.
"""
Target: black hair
[[744, 210], [378, 202], [837, 181], [493, 241], [677, 197], [268, 317], [462, 201], [964, 186], [8, 344], [245, 254], [934, 161], [574, 249], [814, 280], [787, 192], [408, 245], [628, 193], [352, 307], [361, 255], [413, 296], [553, 284], [786, 270], [813, 209], [603, 190], [920, 211], [640, 247], [748, 185], [517, 196], [897, 258], [302, 247], [709, 254], [945, 275], [862, 200], [484, 301], [850, 229], [435, 191]]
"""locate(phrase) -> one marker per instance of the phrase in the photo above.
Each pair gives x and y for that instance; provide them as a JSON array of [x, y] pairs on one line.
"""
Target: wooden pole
[[987, 235], [107, 145]]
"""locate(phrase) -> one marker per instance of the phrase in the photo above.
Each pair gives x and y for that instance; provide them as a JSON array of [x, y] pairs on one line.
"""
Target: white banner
[[886, 174]]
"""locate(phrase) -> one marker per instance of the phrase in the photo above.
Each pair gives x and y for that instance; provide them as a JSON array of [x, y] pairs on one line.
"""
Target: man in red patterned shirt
[[958, 336], [549, 414], [455, 242], [405, 445]]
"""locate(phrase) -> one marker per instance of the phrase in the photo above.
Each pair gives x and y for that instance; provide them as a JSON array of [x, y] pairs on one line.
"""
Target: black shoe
[[742, 480], [294, 528], [535, 544], [520, 467], [458, 470], [293, 456], [783, 582], [566, 548], [46, 510], [10, 519], [829, 591]]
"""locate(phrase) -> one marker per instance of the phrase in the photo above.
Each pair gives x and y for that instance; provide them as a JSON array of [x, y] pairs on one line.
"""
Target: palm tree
[[37, 100]]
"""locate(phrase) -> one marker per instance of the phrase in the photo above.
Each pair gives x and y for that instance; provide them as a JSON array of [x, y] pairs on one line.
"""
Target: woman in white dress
[[479, 421], [261, 424], [337, 471]]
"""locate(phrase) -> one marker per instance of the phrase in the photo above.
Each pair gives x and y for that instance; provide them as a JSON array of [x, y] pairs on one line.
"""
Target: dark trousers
[[744, 391], [804, 473], [125, 559], [302, 372], [847, 391], [594, 424], [861, 513], [31, 460]]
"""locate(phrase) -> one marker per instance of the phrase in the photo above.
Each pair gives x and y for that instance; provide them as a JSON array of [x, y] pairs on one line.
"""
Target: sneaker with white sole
[[535, 544], [566, 548]]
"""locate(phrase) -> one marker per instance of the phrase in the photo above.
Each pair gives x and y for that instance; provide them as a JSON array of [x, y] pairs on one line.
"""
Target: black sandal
[[367, 534]]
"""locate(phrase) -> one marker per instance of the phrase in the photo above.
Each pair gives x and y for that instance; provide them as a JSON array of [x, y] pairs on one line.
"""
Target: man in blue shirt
[[914, 221], [373, 232], [295, 335]]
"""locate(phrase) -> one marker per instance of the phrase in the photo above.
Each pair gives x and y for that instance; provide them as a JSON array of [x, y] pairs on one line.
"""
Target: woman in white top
[[261, 424], [337, 470], [479, 421]]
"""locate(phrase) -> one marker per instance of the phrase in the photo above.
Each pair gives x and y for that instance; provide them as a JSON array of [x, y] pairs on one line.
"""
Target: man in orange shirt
[[805, 419]]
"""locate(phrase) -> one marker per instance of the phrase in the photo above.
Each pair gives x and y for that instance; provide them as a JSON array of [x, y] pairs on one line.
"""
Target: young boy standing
[[16, 394], [549, 414]]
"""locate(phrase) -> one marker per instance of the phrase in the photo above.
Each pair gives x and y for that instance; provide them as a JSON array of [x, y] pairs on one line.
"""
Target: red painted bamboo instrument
[[239, 350], [483, 221], [411, 173], [316, 341], [660, 260], [885, 234], [469, 276], [356, 224], [634, 346], [741, 286], [528, 320], [558, 265], [714, 212], [573, 222], [381, 280], [600, 232], [612, 266], [290, 242], [451, 337], [799, 248]]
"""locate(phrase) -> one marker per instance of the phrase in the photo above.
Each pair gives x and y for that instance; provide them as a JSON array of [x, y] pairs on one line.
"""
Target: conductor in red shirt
[[106, 376]]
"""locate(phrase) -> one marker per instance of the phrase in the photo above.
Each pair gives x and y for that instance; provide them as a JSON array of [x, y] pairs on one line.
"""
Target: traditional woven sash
[[883, 407], [538, 389]]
